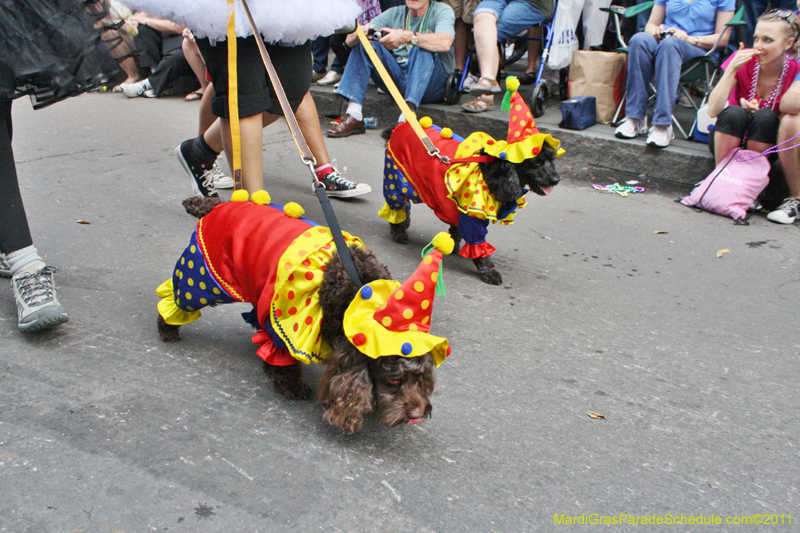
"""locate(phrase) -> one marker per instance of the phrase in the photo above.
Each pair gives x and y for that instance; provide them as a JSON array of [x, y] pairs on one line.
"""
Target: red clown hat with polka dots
[[524, 139], [389, 318]]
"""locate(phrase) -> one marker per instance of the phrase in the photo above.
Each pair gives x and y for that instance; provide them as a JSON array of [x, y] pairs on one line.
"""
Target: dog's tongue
[[413, 421], [547, 190]]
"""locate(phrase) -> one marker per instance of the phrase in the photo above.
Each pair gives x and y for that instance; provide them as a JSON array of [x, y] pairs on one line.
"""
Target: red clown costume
[[457, 193], [273, 258]]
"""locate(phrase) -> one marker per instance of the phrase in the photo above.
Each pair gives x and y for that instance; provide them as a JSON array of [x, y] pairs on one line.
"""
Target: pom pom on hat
[[261, 197], [512, 83], [446, 133], [293, 210], [444, 243], [240, 195], [426, 122]]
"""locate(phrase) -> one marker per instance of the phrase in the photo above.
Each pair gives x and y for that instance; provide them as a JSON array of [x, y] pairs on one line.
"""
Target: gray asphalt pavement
[[610, 305]]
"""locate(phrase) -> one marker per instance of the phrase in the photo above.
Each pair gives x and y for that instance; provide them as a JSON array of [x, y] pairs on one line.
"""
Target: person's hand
[[132, 23], [655, 31], [395, 37], [742, 57], [680, 34], [187, 33], [751, 106]]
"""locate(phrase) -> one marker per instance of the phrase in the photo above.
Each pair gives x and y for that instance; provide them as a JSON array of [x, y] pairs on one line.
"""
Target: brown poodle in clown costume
[[374, 339], [482, 179]]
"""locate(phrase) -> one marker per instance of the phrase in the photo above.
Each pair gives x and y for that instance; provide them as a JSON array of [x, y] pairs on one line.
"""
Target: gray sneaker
[[5, 270], [37, 305]]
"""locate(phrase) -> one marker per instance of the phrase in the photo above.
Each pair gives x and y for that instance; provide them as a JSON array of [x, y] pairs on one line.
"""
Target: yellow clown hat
[[524, 139], [387, 318]]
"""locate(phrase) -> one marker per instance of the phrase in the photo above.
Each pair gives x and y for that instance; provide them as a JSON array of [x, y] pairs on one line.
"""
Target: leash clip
[[443, 158], [311, 163]]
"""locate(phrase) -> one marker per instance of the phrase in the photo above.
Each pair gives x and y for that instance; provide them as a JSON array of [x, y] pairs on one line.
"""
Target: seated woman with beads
[[747, 99]]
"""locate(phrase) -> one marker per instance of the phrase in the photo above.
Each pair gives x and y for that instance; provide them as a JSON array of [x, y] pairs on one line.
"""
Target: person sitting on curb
[[160, 46], [495, 21], [415, 48]]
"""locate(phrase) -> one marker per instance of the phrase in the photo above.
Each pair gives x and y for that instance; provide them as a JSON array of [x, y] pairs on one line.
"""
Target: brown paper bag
[[602, 75]]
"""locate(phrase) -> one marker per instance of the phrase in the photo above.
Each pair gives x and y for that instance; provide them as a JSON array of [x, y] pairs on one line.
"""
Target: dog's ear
[[501, 179], [346, 387], [200, 207]]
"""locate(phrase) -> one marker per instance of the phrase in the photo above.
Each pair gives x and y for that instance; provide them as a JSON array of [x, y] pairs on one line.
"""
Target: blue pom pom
[[502, 155], [366, 292], [406, 348]]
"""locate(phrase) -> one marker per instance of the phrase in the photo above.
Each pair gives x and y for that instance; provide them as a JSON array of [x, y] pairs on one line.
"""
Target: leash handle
[[233, 99], [336, 231]]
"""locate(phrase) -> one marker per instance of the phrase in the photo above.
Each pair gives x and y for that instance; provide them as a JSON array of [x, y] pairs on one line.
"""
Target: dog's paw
[[399, 234], [288, 380], [487, 271], [166, 332], [492, 277]]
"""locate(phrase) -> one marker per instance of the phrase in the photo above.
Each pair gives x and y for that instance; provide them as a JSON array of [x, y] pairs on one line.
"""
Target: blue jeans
[[420, 80], [513, 16], [667, 56]]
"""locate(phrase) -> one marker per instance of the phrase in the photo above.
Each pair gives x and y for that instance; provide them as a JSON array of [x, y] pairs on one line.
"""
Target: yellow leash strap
[[411, 118], [233, 99]]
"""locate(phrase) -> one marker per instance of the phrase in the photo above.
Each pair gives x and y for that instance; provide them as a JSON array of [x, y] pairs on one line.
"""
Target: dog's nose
[[417, 413]]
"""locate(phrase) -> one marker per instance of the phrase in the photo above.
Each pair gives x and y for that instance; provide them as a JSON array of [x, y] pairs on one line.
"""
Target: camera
[[374, 35], [667, 33]]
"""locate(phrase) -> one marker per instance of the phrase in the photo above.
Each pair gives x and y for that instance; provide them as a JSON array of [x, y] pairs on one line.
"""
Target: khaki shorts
[[463, 8]]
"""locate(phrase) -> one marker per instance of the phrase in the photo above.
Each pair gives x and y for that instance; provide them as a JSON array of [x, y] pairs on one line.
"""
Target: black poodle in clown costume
[[457, 192]]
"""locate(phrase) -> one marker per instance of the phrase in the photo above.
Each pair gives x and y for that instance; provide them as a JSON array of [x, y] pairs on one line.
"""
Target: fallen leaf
[[595, 415], [661, 232], [569, 167], [723, 251], [82, 222]]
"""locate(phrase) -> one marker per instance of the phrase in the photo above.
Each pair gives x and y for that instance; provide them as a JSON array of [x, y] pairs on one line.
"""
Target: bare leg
[[129, 66], [723, 144], [460, 43], [195, 60], [790, 159], [534, 48], [486, 44], [206, 117], [308, 119]]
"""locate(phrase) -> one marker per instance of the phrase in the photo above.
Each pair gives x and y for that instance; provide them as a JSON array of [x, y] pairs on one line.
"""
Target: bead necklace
[[776, 90]]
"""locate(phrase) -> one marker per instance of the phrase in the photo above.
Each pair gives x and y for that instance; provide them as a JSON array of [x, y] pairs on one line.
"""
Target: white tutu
[[289, 22]]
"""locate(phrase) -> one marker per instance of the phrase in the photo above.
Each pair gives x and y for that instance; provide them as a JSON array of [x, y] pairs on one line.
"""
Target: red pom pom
[[490, 142], [359, 339], [536, 150], [448, 352]]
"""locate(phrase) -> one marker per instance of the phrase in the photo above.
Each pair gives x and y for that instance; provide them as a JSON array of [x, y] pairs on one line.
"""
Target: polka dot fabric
[[193, 283], [397, 191], [465, 183], [295, 313]]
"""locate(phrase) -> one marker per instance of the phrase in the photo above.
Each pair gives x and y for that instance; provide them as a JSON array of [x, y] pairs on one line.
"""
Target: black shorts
[[256, 94]]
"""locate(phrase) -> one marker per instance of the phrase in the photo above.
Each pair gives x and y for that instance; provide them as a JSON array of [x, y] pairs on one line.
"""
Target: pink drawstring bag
[[733, 186]]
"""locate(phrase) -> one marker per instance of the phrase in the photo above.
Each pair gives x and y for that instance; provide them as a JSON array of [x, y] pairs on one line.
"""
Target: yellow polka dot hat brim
[[387, 318], [374, 340]]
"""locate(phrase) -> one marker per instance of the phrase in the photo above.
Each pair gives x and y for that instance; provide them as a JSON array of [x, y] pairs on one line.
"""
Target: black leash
[[336, 231]]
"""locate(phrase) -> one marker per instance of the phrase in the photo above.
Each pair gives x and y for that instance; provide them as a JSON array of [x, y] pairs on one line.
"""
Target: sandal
[[527, 78], [484, 86], [479, 104], [191, 97]]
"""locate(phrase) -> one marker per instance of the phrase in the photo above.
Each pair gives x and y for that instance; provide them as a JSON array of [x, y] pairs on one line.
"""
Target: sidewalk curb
[[683, 162]]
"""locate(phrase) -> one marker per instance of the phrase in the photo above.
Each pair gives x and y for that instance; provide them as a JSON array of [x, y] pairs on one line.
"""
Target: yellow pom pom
[[293, 210], [447, 133], [240, 196], [444, 242], [512, 83], [426, 122], [261, 197]]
